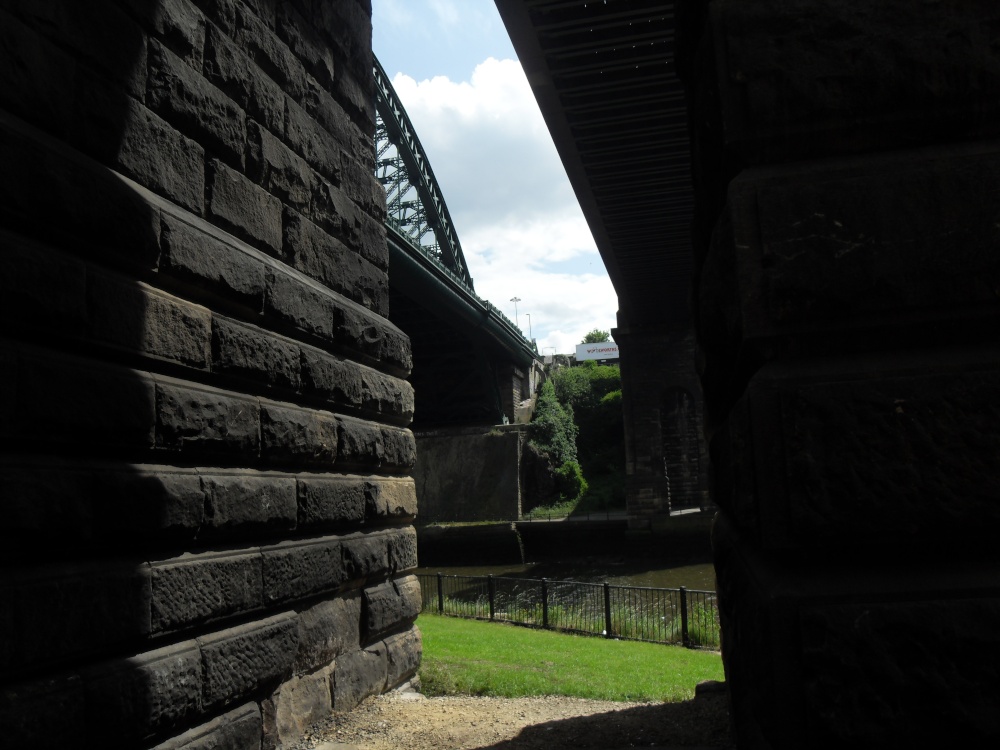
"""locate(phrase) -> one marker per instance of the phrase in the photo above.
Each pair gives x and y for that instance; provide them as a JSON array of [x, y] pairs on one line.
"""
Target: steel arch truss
[[415, 207]]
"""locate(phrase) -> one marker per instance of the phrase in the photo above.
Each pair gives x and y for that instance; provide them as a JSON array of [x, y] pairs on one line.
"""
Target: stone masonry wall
[[205, 501], [847, 170]]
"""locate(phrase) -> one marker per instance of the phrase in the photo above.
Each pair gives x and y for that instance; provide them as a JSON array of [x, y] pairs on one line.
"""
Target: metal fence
[[679, 616]]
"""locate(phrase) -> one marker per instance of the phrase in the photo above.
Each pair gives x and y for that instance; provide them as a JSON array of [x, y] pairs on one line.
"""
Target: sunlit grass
[[479, 658]]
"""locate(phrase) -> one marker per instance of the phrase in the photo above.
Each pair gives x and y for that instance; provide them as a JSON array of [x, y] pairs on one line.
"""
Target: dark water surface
[[700, 576]]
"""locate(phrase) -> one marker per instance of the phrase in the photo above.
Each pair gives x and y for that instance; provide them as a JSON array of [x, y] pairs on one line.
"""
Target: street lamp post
[[515, 300], [529, 326]]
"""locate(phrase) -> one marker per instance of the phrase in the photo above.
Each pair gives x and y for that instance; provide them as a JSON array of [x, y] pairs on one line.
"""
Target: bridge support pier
[[847, 174]]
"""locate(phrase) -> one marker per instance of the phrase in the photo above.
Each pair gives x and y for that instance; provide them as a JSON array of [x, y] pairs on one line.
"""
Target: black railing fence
[[679, 616]]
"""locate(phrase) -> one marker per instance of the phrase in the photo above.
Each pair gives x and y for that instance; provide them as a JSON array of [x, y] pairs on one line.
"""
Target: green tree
[[553, 430], [597, 336]]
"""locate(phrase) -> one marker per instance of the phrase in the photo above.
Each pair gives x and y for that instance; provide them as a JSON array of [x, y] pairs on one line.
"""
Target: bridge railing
[[673, 616]]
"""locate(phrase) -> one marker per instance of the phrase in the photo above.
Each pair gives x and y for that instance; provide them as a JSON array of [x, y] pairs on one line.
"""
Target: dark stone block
[[324, 501], [348, 27], [192, 589], [143, 503], [158, 157], [391, 498], [278, 170], [399, 449], [390, 604], [69, 610], [305, 136], [857, 77], [402, 545], [391, 398], [147, 694], [321, 106], [317, 254], [248, 351], [403, 655], [180, 95], [327, 630], [41, 288], [192, 253], [235, 730], [206, 421], [229, 68], [338, 381], [242, 661], [144, 320], [239, 504], [302, 305], [68, 400], [47, 714], [358, 675], [73, 201], [883, 452], [360, 443], [305, 43], [300, 436], [266, 49], [366, 556], [246, 210], [177, 23], [373, 336], [295, 570]]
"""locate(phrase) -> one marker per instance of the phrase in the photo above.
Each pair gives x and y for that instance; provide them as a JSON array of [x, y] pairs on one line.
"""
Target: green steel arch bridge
[[471, 364]]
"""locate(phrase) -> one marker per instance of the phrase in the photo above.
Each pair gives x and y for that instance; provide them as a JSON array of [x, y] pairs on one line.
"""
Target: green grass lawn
[[482, 658]]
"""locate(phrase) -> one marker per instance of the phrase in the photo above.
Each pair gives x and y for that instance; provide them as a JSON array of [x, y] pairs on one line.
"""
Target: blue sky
[[519, 223]]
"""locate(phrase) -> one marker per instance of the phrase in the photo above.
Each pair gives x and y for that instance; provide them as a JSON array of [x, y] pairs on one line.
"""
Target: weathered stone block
[[236, 729], [143, 502], [157, 156], [366, 555], [46, 714], [241, 503], [101, 34], [337, 214], [331, 378], [101, 213], [347, 27], [399, 449], [360, 443], [193, 254], [246, 210], [863, 76], [389, 397], [301, 436], [195, 588], [314, 252], [180, 95], [301, 702], [403, 653], [305, 43], [390, 498], [358, 675], [240, 661], [278, 170], [304, 135], [68, 400], [372, 336], [177, 23], [267, 50], [331, 500], [203, 420], [294, 570], [369, 240], [356, 91], [886, 451], [389, 604], [65, 611], [40, 288], [402, 549], [229, 68], [249, 351], [144, 320], [146, 694], [327, 630], [301, 304], [324, 108]]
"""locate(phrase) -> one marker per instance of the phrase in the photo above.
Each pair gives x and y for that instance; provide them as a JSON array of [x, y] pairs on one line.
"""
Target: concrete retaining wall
[[204, 457]]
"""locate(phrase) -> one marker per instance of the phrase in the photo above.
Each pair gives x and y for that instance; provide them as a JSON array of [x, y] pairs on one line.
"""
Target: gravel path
[[415, 722]]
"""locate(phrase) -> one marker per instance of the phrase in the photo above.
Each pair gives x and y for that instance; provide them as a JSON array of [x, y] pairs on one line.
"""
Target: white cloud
[[514, 210]]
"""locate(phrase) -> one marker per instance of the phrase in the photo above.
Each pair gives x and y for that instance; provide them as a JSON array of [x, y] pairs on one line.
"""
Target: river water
[[699, 576]]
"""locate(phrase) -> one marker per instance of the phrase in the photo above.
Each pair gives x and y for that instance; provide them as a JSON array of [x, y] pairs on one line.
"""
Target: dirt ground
[[415, 722]]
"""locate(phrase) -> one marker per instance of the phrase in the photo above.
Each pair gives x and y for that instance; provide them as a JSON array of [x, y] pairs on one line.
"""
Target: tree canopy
[[597, 336]]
